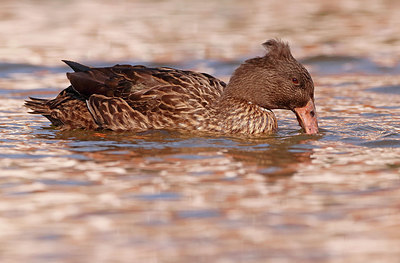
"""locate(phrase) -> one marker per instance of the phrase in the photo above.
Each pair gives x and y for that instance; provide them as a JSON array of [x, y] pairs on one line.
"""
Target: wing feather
[[125, 97]]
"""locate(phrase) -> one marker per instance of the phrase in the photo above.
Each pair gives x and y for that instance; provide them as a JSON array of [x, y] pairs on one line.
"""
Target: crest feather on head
[[277, 49]]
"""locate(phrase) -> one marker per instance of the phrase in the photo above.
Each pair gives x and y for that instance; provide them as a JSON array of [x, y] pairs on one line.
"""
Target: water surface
[[83, 194], [159, 196]]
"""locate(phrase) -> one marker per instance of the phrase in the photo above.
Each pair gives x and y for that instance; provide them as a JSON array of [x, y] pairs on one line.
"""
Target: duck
[[139, 98]]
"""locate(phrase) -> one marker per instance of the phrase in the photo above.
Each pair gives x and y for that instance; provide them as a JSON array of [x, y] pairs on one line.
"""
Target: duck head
[[276, 81]]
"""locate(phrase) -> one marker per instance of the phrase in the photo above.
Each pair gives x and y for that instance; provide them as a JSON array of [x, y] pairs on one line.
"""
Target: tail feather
[[38, 106], [41, 106]]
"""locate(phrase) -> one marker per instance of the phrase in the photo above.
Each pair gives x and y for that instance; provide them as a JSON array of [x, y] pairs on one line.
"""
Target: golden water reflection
[[83, 195], [167, 197]]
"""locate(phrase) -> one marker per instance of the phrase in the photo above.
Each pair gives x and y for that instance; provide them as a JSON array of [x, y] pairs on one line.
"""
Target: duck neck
[[245, 82]]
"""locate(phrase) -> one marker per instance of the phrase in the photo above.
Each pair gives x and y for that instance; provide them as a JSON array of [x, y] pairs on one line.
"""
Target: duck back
[[125, 97]]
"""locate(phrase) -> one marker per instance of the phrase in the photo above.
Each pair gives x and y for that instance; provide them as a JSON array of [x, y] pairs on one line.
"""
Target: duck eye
[[295, 81]]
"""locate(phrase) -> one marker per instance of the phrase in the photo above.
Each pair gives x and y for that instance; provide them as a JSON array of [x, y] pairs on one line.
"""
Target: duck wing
[[125, 97], [124, 80]]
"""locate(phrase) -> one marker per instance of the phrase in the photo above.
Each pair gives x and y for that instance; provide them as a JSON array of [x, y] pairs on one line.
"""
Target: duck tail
[[38, 106]]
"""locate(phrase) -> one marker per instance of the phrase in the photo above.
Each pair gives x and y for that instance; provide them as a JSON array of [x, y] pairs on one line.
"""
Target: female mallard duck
[[138, 98]]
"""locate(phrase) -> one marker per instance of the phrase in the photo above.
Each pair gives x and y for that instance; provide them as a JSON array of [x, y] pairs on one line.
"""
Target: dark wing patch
[[90, 82], [77, 67], [116, 81], [123, 80]]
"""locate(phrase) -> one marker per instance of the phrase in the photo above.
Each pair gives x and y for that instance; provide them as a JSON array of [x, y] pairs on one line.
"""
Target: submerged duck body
[[138, 98]]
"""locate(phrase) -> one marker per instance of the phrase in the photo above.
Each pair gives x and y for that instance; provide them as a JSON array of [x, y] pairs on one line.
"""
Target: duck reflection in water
[[181, 153]]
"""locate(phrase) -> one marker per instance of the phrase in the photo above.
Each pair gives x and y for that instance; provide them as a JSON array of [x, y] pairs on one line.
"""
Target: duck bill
[[307, 117]]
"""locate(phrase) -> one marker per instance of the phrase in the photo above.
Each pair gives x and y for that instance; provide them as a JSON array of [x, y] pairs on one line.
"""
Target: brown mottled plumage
[[138, 98]]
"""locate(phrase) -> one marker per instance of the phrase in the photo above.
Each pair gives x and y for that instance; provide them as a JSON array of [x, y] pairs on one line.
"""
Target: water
[[158, 196], [84, 194]]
